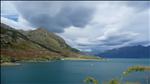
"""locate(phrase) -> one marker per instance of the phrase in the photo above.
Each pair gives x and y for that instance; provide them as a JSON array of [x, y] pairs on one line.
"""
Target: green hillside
[[18, 45]]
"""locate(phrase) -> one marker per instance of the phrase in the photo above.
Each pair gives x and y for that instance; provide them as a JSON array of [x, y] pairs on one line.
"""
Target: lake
[[72, 72]]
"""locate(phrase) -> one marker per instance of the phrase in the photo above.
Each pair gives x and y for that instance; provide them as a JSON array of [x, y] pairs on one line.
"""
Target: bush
[[90, 80], [7, 59], [114, 81]]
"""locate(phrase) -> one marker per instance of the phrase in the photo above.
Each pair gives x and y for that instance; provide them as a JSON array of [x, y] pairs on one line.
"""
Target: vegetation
[[35, 45], [91, 80], [90, 57], [7, 59], [48, 39], [83, 58], [136, 69], [114, 81]]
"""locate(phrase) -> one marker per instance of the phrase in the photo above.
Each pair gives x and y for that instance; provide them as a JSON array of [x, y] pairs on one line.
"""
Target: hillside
[[37, 44], [128, 52]]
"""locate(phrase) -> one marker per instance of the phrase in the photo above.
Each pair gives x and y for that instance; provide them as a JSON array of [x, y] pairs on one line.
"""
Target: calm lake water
[[72, 72]]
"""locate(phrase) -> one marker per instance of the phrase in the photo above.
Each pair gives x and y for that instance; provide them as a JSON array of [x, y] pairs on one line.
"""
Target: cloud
[[139, 5], [14, 24], [90, 26], [7, 8], [113, 38], [109, 38], [12, 17], [55, 16], [114, 25]]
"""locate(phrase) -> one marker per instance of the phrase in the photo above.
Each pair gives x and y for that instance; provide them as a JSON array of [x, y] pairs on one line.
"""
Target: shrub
[[90, 80]]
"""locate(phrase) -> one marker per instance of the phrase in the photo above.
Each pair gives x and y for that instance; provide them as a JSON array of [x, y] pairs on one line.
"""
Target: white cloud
[[111, 24], [16, 25], [7, 8]]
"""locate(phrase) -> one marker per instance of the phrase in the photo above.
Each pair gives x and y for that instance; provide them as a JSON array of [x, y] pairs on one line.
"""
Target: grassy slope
[[32, 45], [84, 58]]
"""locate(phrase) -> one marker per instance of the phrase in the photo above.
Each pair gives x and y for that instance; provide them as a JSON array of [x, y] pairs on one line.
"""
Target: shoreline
[[62, 59], [82, 59], [9, 64]]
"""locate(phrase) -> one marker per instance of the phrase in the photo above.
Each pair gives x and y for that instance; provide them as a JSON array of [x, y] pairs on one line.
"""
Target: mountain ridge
[[36, 44], [138, 51]]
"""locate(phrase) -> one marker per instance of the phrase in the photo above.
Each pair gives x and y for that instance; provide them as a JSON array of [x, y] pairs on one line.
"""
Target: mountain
[[138, 51], [50, 40], [36, 44]]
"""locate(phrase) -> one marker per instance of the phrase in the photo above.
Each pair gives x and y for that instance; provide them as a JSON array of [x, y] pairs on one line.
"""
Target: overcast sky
[[85, 25]]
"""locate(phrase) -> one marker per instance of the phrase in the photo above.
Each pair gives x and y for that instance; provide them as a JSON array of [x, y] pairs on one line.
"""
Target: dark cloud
[[140, 43], [83, 45], [55, 16], [115, 40], [118, 40]]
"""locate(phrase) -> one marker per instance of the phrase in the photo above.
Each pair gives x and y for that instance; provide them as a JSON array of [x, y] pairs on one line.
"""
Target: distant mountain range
[[127, 52], [36, 44]]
